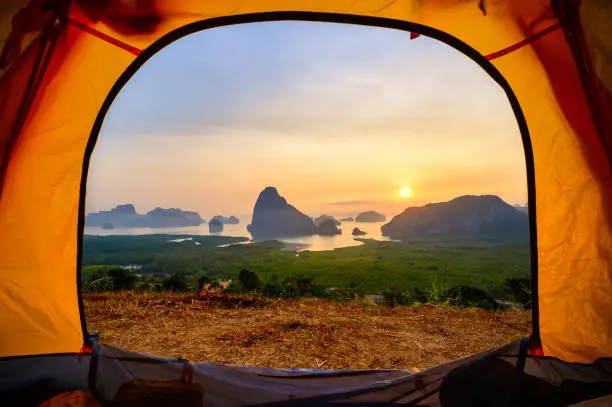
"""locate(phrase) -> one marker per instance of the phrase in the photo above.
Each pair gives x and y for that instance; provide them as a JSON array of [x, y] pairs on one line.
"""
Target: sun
[[406, 192]]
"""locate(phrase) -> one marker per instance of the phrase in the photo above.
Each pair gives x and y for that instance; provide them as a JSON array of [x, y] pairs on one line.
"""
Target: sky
[[339, 118]]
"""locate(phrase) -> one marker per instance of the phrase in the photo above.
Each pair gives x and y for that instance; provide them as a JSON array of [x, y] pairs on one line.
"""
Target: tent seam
[[523, 43], [104, 37]]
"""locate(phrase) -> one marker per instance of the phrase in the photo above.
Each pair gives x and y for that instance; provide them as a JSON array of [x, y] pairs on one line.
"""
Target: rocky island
[[370, 216], [358, 232], [125, 216], [323, 218], [274, 217], [329, 228], [464, 215], [230, 220], [215, 226]]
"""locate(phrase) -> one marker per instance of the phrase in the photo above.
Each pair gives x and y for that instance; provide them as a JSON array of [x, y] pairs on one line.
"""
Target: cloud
[[303, 78]]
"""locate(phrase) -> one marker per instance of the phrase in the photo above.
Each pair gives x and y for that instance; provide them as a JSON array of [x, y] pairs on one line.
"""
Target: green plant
[[437, 293]]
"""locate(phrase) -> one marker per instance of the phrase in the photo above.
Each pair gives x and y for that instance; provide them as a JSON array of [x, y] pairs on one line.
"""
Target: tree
[[176, 282], [92, 273], [123, 279], [249, 280]]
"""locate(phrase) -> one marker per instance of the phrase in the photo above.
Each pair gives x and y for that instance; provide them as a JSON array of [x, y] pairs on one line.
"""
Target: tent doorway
[[385, 129]]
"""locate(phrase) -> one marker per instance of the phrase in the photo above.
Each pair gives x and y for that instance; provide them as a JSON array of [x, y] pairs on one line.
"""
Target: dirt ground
[[310, 333]]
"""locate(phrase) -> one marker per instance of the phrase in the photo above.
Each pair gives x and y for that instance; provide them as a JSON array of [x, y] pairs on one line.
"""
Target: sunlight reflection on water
[[314, 242]]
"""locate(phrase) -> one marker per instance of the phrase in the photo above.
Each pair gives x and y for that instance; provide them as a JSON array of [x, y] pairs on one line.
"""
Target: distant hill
[[370, 216], [465, 215], [274, 217], [125, 216]]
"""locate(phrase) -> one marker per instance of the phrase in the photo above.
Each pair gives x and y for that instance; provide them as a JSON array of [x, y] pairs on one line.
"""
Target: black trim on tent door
[[325, 18]]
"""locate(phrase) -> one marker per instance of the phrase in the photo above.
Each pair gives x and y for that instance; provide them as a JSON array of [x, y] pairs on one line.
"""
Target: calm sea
[[315, 242]]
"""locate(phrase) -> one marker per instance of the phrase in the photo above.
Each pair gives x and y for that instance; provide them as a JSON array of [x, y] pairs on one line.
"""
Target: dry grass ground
[[310, 333]]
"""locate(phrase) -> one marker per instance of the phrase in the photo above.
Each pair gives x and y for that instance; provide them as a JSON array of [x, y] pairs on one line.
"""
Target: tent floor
[[501, 377]]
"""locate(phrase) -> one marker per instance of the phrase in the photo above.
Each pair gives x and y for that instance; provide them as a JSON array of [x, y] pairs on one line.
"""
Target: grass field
[[310, 333], [373, 267]]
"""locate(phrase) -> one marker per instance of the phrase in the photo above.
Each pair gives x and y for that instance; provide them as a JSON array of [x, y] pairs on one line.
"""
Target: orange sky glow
[[335, 131]]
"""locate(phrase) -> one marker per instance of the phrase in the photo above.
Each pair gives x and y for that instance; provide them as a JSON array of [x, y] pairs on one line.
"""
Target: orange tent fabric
[[66, 57]]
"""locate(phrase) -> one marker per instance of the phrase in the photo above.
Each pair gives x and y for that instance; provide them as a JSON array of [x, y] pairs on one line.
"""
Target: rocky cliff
[[274, 217]]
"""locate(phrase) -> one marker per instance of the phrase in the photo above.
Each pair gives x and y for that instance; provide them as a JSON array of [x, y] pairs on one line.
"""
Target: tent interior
[[64, 62]]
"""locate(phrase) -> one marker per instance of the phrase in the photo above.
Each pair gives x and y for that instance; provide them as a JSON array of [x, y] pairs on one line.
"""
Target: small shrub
[[103, 284], [520, 288], [466, 296], [272, 287], [339, 294], [394, 297], [249, 280]]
